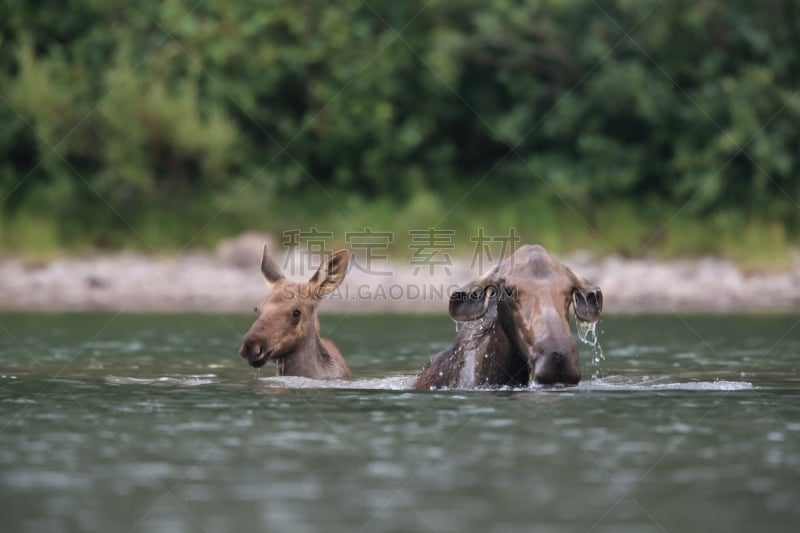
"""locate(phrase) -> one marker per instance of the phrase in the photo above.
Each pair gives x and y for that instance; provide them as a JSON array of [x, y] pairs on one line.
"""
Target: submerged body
[[515, 326]]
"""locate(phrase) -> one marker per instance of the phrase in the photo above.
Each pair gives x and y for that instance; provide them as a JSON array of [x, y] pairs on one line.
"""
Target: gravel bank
[[229, 281]]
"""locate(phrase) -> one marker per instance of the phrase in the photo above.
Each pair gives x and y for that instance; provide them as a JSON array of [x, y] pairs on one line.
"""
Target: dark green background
[[630, 126]]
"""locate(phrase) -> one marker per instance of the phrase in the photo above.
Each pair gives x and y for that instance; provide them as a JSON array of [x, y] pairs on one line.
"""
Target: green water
[[154, 423]]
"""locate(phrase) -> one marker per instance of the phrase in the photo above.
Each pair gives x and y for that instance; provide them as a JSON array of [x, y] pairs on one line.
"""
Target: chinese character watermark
[[312, 245], [429, 248], [484, 244], [369, 247]]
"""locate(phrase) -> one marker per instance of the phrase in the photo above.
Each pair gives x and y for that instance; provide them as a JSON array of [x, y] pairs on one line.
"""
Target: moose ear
[[270, 269], [587, 303], [330, 274], [472, 302]]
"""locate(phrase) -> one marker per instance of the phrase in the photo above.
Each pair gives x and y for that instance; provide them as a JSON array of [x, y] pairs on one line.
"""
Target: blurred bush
[[116, 113]]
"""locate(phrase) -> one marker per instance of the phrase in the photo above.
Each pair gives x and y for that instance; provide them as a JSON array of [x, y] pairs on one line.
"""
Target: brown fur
[[515, 325], [287, 328]]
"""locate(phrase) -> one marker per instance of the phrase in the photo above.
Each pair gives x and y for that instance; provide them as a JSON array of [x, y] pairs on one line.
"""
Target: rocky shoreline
[[228, 280]]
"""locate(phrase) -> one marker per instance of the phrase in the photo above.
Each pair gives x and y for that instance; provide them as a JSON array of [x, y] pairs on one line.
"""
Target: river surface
[[120, 423]]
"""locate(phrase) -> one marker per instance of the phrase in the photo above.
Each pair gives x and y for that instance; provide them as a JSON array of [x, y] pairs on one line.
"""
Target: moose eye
[[296, 313]]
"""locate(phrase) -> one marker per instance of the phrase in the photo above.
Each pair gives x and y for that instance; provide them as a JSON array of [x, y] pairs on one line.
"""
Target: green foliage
[[581, 122]]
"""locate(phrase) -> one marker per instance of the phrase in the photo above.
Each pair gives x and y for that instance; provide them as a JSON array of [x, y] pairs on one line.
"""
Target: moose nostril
[[558, 366], [250, 348]]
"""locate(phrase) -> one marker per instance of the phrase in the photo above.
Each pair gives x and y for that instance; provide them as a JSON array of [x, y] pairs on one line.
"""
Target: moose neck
[[307, 359], [496, 358], [516, 351]]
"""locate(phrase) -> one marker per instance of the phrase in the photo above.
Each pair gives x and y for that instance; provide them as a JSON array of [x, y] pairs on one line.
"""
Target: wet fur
[[504, 363], [521, 331]]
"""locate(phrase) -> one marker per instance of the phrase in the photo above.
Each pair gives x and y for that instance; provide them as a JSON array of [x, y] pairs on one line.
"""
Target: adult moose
[[287, 328], [515, 326]]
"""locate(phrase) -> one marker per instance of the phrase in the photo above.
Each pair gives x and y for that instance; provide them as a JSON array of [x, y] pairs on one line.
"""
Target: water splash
[[587, 333]]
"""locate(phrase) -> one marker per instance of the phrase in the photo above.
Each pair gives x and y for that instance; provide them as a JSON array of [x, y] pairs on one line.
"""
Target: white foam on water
[[649, 384], [184, 381], [295, 382], [406, 382]]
